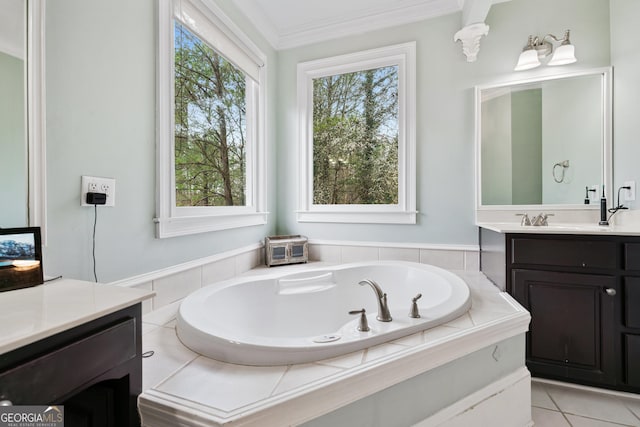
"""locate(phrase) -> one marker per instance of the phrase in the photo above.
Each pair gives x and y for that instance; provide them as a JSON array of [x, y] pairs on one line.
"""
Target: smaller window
[[357, 124]]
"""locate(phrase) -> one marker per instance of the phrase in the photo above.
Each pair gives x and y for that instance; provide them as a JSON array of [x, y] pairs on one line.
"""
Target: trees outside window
[[210, 128], [355, 138]]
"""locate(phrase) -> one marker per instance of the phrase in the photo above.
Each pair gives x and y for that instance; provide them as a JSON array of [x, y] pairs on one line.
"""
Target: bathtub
[[285, 317]]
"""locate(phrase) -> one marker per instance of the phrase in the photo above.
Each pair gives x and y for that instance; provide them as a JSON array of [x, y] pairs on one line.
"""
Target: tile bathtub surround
[[564, 405], [196, 387], [449, 257], [174, 284]]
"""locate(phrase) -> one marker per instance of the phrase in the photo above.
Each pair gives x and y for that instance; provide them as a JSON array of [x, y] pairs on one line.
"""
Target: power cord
[[95, 199], [618, 207], [95, 222]]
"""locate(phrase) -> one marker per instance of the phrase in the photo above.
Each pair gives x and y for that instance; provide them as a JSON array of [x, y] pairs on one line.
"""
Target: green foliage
[[210, 128], [355, 138]]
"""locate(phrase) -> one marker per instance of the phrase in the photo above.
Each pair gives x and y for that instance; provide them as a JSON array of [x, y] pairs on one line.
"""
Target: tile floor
[[556, 405]]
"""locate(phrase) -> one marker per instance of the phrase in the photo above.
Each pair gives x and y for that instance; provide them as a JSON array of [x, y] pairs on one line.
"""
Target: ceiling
[[291, 23]]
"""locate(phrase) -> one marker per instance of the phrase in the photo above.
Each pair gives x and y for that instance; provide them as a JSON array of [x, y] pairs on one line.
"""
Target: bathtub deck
[[184, 388]]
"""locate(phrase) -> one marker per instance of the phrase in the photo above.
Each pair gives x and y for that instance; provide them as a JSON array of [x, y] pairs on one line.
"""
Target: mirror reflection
[[13, 160], [542, 142]]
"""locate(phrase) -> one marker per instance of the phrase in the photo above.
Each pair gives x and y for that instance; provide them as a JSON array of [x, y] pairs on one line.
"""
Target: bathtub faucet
[[383, 309]]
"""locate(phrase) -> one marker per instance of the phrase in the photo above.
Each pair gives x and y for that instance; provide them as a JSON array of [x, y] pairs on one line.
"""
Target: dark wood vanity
[[583, 293], [94, 370], [76, 344]]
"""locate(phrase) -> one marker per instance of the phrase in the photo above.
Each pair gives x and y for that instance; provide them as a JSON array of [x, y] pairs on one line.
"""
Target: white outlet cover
[[97, 184], [629, 195], [594, 196]]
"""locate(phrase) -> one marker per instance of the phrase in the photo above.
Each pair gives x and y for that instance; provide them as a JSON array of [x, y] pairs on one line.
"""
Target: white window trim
[[402, 55], [174, 221]]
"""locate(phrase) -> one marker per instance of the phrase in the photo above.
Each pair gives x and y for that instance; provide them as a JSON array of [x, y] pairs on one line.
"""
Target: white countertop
[[31, 314], [559, 228]]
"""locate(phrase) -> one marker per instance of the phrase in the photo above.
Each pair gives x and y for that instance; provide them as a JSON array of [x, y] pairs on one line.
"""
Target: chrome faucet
[[383, 308], [525, 219], [363, 325], [540, 220]]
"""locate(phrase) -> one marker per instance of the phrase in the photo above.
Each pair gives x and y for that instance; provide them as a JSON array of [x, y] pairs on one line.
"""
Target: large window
[[357, 128], [211, 136]]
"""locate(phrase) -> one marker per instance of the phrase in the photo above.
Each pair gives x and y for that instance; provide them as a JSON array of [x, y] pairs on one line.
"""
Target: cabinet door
[[632, 360], [572, 324]]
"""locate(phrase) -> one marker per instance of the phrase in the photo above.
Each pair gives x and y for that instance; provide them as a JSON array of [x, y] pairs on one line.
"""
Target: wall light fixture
[[539, 48]]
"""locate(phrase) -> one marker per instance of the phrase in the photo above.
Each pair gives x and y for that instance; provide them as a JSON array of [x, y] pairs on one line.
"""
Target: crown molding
[[364, 21], [346, 24], [255, 13]]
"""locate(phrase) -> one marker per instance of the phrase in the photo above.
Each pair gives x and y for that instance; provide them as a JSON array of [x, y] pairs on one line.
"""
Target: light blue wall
[[625, 58], [527, 146], [445, 127], [571, 131], [13, 145], [101, 122], [497, 157]]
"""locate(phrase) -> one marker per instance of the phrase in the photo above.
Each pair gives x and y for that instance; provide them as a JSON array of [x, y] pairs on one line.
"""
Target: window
[[211, 165], [357, 127]]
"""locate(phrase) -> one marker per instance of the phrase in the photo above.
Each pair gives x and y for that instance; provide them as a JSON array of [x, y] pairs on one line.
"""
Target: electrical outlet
[[629, 195], [594, 196], [94, 184]]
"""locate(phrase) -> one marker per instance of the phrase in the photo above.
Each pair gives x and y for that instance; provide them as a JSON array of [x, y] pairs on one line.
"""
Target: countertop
[[560, 228], [31, 314]]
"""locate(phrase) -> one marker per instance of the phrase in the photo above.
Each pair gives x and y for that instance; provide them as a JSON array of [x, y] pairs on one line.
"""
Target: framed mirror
[[13, 117], [22, 114], [544, 142]]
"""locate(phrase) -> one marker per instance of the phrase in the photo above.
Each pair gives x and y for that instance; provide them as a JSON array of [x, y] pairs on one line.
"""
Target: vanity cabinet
[[94, 370], [571, 322], [583, 293]]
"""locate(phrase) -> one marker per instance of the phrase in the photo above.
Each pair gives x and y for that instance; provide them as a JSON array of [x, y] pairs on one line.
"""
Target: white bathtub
[[283, 318]]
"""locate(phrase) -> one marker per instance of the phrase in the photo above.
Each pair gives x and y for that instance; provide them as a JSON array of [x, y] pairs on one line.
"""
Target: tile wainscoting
[[174, 283]]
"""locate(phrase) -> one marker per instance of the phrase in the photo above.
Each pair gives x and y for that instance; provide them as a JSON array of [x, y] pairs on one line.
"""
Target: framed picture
[[20, 258]]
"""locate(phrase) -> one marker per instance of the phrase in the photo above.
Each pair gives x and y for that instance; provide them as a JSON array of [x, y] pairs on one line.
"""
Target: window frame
[[200, 16], [404, 212]]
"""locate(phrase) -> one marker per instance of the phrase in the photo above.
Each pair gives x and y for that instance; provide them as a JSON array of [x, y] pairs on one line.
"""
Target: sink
[[568, 227]]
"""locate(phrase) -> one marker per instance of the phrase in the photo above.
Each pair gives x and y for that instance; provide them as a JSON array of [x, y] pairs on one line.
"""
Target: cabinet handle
[[611, 292], [6, 402]]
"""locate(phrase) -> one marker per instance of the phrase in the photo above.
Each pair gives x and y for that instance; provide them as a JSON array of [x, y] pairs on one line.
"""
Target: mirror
[[13, 125], [22, 115], [544, 142]]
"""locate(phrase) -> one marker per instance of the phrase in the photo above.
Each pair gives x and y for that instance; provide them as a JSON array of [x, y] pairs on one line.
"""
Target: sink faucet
[[540, 219], [383, 309], [525, 219]]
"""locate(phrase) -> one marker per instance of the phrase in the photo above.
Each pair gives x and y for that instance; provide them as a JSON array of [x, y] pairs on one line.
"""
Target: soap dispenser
[[603, 209]]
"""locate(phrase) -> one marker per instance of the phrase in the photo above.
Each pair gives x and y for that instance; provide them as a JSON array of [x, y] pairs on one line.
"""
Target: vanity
[[76, 344], [582, 288], [544, 145]]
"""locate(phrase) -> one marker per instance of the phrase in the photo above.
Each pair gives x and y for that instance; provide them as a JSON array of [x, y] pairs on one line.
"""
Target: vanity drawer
[[564, 253], [48, 378], [632, 302], [632, 256]]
